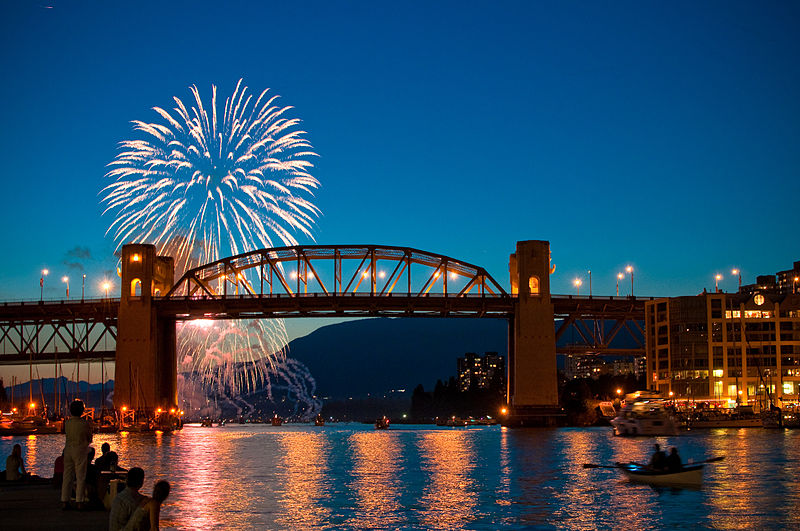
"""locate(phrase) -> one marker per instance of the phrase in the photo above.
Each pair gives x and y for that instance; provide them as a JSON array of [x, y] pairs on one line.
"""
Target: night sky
[[662, 135]]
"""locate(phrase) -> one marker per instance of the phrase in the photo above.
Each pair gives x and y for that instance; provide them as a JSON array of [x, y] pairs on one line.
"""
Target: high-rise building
[[481, 372], [785, 282], [739, 347]]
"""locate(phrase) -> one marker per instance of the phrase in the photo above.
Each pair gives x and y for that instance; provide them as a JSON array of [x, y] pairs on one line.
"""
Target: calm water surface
[[353, 476]]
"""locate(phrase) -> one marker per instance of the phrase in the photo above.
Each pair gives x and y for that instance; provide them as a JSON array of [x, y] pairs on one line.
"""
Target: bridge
[[318, 281]]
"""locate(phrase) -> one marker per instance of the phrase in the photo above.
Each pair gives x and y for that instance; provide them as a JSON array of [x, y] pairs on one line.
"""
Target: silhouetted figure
[[146, 516], [58, 471], [76, 452], [108, 461], [126, 502], [659, 459], [674, 461], [15, 466]]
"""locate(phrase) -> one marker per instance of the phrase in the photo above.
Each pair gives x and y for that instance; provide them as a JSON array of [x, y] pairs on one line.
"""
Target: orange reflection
[[303, 479], [377, 466], [450, 497]]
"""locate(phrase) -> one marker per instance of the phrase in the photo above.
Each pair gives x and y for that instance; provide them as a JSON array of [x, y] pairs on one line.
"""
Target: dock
[[37, 505]]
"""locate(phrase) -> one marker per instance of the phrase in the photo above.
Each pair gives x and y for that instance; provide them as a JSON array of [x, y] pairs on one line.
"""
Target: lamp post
[[717, 278], [65, 280], [795, 280], [578, 283], [106, 285], [590, 283], [45, 272], [739, 274], [620, 276], [83, 286], [629, 269]]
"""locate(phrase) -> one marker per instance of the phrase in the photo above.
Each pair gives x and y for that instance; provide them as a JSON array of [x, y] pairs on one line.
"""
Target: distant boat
[[644, 413], [319, 421], [277, 421], [206, 423], [382, 424]]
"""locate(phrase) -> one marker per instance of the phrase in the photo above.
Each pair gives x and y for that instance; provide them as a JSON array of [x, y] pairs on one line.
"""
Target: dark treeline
[[580, 397], [447, 400]]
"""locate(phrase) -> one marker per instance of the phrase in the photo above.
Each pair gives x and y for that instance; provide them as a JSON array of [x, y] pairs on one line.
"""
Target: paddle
[[709, 460]]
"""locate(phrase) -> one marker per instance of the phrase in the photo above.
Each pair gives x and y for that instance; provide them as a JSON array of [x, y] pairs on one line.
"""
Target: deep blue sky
[[662, 134]]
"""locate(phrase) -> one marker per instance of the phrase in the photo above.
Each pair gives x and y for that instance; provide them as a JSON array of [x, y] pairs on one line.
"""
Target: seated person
[[674, 461], [108, 460], [58, 470], [659, 459], [15, 466], [126, 502], [146, 516]]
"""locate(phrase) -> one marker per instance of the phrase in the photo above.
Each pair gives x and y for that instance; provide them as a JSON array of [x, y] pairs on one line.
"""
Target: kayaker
[[659, 459], [674, 461]]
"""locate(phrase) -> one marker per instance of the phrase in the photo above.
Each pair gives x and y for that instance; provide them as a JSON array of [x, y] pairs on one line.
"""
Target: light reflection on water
[[354, 477], [448, 461], [376, 485]]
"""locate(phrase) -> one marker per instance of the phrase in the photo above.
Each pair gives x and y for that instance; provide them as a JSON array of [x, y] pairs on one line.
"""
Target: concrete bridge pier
[[145, 377], [532, 375]]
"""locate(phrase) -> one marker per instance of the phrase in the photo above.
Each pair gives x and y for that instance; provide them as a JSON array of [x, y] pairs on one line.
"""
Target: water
[[352, 476]]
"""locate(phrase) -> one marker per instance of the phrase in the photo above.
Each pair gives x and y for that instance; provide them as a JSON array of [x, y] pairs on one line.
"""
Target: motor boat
[[644, 413]]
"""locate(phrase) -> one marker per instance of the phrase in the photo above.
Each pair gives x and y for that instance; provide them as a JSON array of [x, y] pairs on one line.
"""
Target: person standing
[[76, 452]]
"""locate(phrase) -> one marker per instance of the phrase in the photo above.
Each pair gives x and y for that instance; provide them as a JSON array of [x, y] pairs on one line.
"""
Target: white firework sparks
[[198, 189]]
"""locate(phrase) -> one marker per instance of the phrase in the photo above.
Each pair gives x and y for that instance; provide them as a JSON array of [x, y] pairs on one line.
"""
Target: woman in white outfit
[[79, 435]]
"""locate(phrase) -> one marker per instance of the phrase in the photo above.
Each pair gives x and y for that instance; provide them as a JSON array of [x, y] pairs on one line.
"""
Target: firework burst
[[204, 183]]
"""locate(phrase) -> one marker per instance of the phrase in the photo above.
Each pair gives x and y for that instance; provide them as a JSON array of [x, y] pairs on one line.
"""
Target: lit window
[[717, 373], [533, 285]]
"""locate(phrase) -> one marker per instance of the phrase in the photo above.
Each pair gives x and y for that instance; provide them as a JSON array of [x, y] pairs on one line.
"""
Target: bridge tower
[[532, 375], [145, 377]]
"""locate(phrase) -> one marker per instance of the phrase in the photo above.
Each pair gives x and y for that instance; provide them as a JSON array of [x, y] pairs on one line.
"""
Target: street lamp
[[629, 269], [620, 276], [45, 272], [717, 278], [578, 283], [795, 280], [83, 286], [106, 286], [65, 280], [739, 274], [590, 283]]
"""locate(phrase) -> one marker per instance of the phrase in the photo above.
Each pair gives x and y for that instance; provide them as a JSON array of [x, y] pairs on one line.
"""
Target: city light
[[293, 275], [717, 278], [737, 273], [381, 274], [106, 285], [504, 410], [65, 280], [620, 276], [577, 283]]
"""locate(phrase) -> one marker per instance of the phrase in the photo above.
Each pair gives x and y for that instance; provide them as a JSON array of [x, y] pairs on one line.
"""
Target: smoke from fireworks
[[207, 182]]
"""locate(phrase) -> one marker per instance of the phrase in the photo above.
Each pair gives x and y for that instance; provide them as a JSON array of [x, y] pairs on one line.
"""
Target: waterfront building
[[784, 282], [481, 372], [725, 347], [640, 366], [622, 366]]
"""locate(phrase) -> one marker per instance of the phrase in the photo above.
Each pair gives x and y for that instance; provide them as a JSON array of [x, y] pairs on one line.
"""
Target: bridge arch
[[376, 270]]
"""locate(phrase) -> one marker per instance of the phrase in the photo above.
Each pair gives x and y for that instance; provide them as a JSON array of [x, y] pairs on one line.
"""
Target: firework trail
[[206, 182]]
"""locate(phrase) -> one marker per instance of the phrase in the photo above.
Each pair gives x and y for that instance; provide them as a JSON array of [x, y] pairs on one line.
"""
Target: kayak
[[687, 476]]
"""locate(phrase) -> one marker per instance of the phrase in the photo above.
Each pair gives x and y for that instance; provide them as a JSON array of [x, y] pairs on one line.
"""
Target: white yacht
[[644, 413]]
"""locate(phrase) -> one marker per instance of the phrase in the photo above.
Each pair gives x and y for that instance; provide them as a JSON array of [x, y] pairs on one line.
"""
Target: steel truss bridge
[[314, 281]]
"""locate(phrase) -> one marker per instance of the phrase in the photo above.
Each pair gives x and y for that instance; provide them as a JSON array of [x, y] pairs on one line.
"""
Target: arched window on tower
[[136, 288], [533, 286]]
